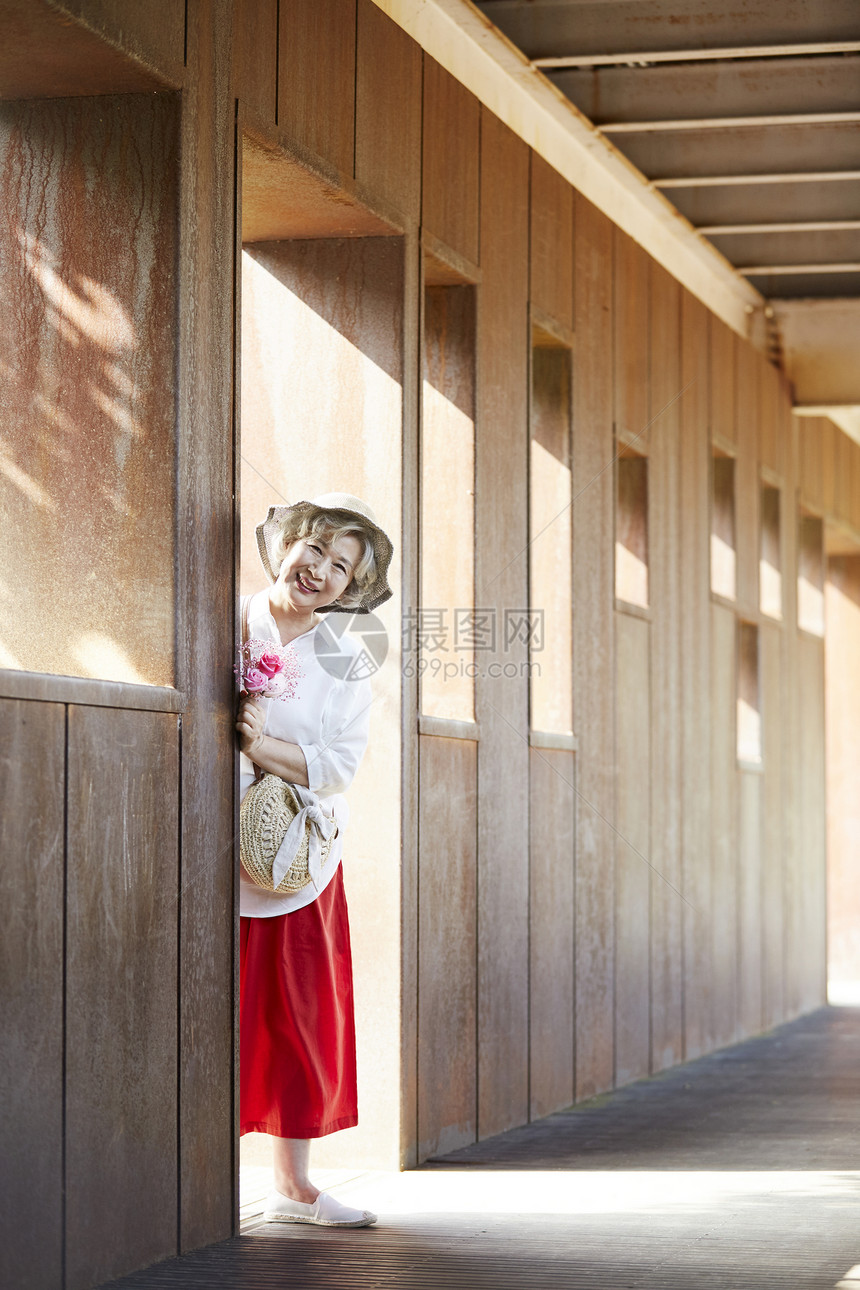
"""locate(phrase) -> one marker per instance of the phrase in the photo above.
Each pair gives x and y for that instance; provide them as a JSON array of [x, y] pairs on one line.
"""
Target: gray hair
[[328, 527]]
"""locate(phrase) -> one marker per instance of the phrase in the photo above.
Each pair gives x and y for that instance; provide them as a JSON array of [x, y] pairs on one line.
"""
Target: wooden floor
[[740, 1171]]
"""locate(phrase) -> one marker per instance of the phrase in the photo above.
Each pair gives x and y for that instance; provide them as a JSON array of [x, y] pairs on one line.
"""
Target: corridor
[[739, 1171]]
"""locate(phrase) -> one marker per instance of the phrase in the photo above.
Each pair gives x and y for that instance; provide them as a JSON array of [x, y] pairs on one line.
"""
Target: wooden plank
[[316, 78], [121, 992], [450, 172], [594, 651], [722, 385], [388, 110], [501, 495], [810, 949], [633, 853], [665, 725], [747, 477], [153, 31], [552, 813], [632, 342], [551, 250], [750, 903], [770, 439], [827, 452], [89, 408], [811, 431], [44, 55], [695, 653], [99, 694], [206, 481], [32, 772], [447, 948], [724, 840], [842, 483], [773, 815], [255, 56], [842, 730], [792, 764]]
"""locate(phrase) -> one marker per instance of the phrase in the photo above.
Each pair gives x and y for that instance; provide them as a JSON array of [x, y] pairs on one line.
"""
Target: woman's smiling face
[[316, 571]]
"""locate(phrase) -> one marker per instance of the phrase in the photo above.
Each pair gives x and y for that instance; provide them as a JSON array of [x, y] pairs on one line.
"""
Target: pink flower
[[270, 663], [276, 688], [255, 681]]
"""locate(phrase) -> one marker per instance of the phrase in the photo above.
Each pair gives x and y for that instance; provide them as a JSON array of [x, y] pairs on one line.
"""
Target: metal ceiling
[[746, 115]]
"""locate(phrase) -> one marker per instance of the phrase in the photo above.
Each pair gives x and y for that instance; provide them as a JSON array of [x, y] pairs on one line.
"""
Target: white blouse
[[328, 717]]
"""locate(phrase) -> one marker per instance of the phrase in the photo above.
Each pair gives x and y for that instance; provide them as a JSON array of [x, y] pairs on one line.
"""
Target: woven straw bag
[[285, 837]]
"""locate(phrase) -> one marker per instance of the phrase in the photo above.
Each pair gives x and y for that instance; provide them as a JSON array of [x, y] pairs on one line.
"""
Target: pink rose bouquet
[[267, 670]]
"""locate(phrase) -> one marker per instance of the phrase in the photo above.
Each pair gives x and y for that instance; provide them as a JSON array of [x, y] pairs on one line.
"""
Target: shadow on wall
[[88, 356]]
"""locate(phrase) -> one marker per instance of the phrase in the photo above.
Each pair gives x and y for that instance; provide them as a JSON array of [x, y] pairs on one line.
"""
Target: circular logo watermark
[[351, 646]]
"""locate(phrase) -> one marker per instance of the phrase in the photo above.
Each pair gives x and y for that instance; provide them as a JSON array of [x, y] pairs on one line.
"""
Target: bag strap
[[243, 604]]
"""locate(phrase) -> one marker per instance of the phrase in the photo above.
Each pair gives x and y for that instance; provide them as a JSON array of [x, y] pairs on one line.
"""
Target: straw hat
[[344, 507]]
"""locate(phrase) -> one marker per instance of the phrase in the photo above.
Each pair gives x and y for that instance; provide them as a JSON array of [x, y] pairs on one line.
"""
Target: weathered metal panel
[[450, 184], [121, 992], [552, 813], [447, 945], [316, 78], [388, 111], [501, 495], [205, 560], [88, 246], [594, 651], [32, 769]]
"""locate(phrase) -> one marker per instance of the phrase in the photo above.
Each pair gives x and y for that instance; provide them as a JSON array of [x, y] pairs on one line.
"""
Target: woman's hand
[[250, 725]]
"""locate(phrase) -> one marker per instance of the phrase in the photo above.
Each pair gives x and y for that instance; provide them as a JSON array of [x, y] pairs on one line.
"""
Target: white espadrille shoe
[[324, 1212]]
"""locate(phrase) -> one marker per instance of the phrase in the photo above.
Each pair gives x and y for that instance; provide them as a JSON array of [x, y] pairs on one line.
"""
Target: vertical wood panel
[[447, 949], [552, 814], [695, 650], [255, 56], [316, 78], [772, 397], [32, 770], [501, 487], [551, 280], [632, 344], [594, 651], [842, 729], [773, 858], [121, 1068], [206, 486], [811, 479], [724, 900], [793, 770], [747, 477], [664, 538], [750, 1002], [723, 425], [452, 132], [632, 865], [828, 434], [810, 947], [388, 110]]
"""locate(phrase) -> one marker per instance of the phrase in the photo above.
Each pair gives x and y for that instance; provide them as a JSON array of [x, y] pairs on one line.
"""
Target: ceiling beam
[[725, 181], [642, 57], [731, 122], [553, 28], [759, 270], [793, 226], [751, 87]]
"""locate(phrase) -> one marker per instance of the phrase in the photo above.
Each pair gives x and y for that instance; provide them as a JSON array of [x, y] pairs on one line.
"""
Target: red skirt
[[297, 1026]]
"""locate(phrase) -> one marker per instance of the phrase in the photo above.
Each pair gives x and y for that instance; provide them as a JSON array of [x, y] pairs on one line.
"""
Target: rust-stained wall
[[609, 895]]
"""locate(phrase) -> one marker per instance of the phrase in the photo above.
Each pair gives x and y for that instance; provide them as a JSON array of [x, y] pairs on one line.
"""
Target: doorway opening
[[320, 357]]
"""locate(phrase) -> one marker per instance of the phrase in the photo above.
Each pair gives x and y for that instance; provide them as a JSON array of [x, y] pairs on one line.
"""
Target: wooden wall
[[116, 776], [559, 911]]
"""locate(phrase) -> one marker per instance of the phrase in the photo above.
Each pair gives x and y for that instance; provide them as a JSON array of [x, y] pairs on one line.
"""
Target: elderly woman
[[297, 1036]]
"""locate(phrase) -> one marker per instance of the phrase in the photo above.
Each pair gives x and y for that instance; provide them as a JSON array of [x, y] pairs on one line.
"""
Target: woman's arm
[[274, 755]]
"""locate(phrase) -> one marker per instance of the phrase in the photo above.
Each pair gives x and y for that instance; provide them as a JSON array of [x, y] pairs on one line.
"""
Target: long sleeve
[[333, 760]]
